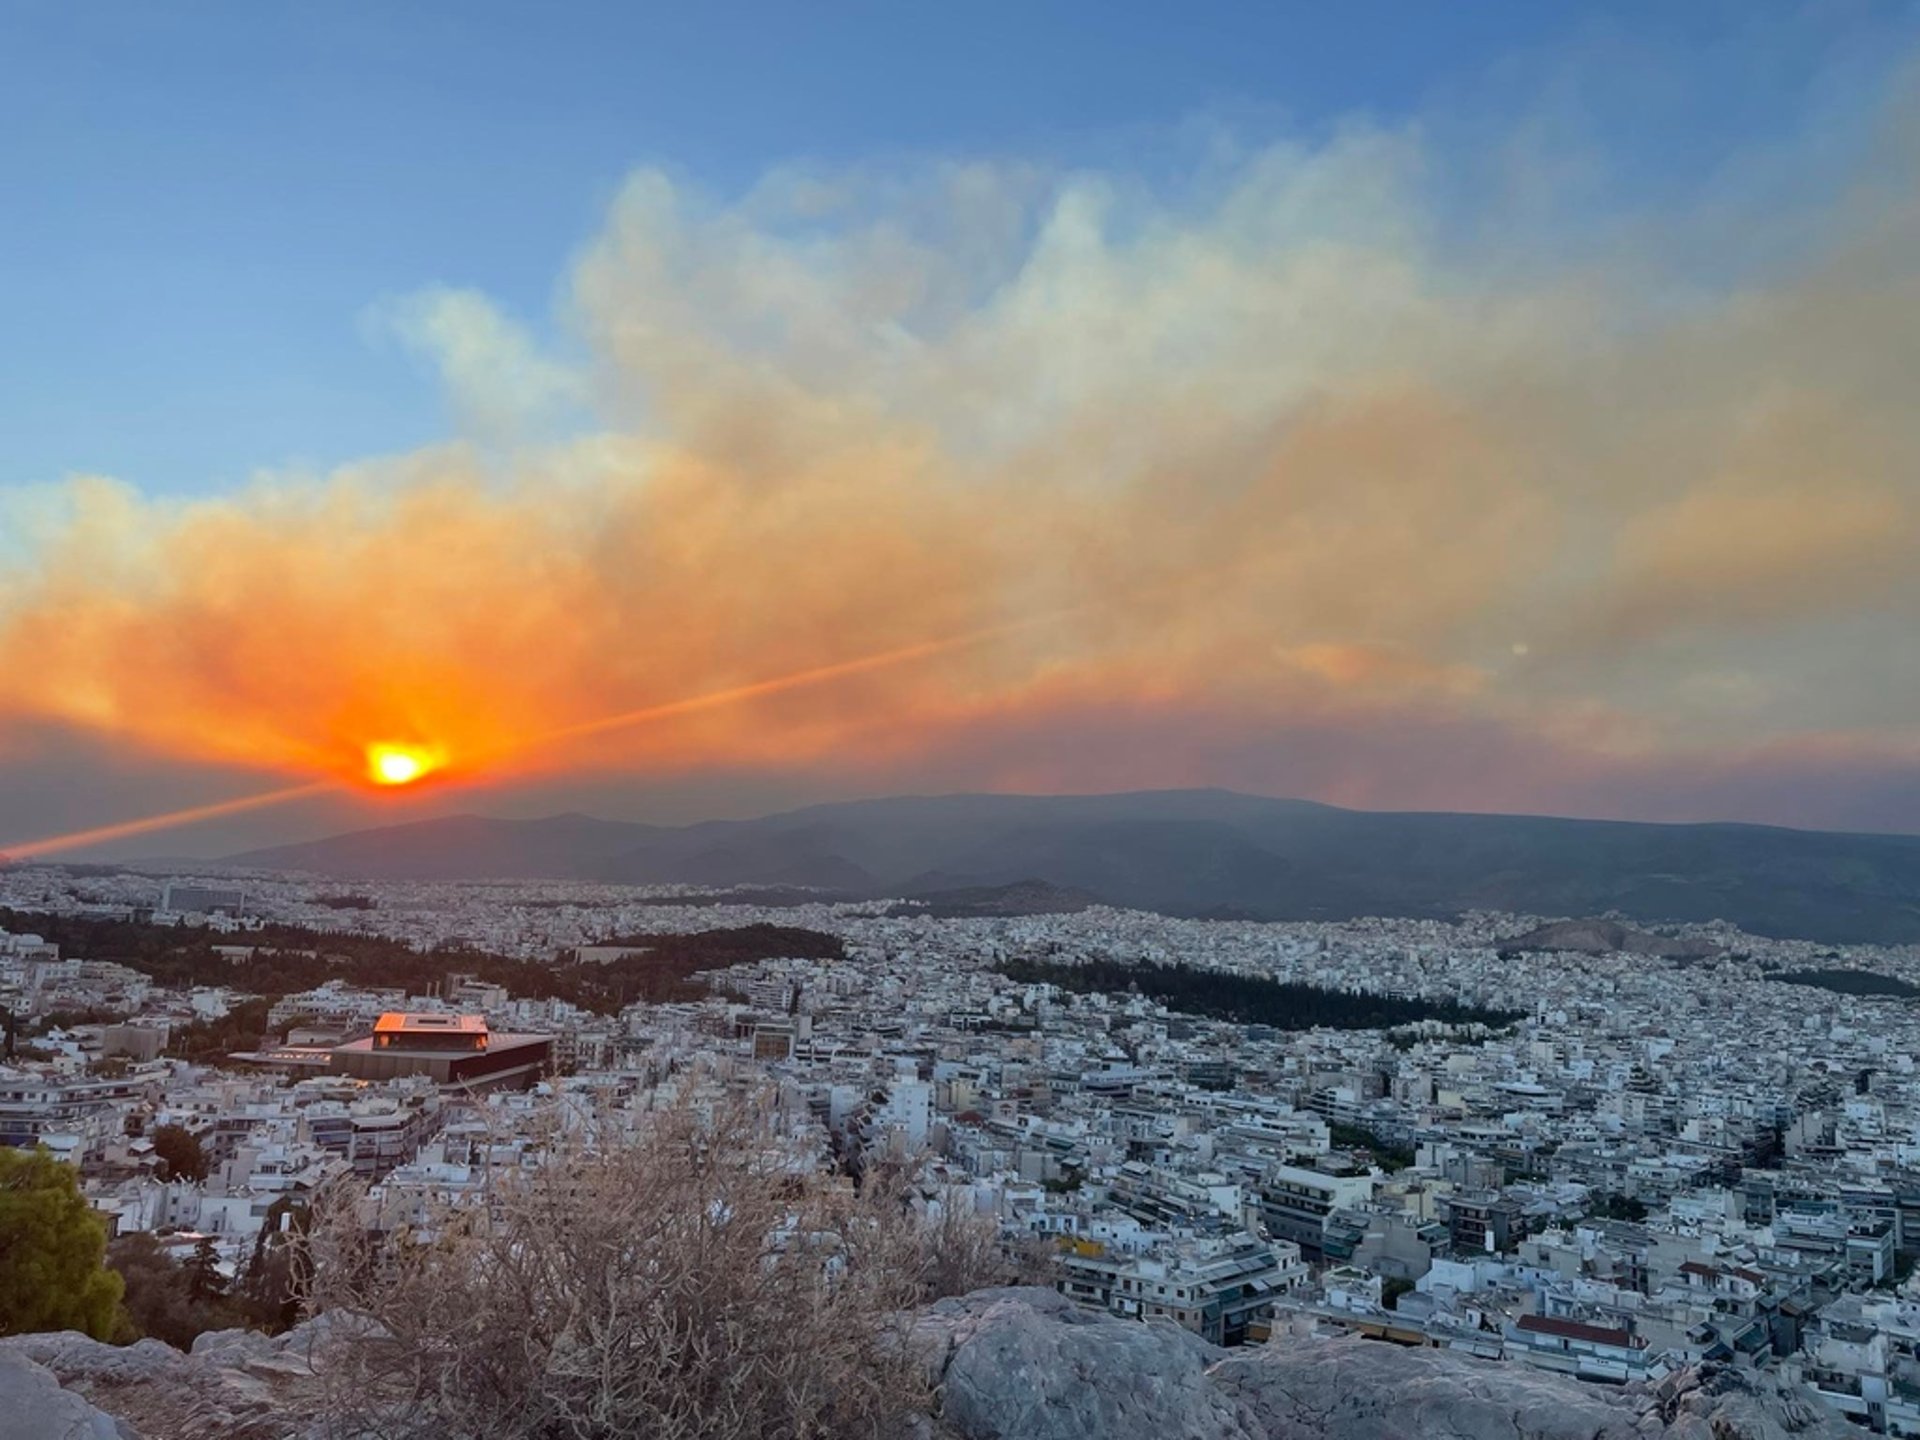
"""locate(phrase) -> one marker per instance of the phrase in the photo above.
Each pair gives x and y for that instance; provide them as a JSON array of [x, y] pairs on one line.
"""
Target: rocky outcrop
[[33, 1406], [1029, 1365], [1715, 1404], [236, 1385], [1009, 1365], [1347, 1388], [1033, 1364]]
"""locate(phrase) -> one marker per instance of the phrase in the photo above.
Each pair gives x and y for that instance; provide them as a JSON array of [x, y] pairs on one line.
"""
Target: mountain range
[[1208, 853]]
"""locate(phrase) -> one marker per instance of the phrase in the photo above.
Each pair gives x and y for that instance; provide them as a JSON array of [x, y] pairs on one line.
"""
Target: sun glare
[[397, 764]]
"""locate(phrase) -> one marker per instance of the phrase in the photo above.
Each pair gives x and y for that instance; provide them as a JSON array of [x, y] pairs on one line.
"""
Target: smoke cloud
[[1280, 476]]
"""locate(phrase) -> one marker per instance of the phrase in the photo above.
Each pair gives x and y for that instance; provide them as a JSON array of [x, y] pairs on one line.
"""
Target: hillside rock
[[1032, 1364], [1714, 1404], [34, 1407], [1348, 1388], [236, 1385], [1029, 1365], [1016, 1364], [76, 1357]]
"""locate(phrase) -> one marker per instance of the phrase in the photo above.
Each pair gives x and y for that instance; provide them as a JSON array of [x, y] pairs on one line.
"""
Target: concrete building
[[1216, 1292], [459, 1052], [69, 1117], [376, 1134], [1295, 1203], [1591, 1352], [1482, 1222], [139, 1043]]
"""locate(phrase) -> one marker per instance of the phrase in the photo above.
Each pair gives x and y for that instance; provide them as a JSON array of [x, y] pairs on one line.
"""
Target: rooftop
[[1574, 1330], [402, 1022]]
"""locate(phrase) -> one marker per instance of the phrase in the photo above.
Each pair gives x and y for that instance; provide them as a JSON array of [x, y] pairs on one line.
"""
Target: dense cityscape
[[1590, 1148]]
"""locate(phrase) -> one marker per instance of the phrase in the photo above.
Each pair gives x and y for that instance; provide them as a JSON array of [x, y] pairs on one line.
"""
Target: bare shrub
[[704, 1280]]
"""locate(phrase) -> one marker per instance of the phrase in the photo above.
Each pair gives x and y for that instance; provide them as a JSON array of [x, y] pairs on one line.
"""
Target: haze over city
[[1502, 411]]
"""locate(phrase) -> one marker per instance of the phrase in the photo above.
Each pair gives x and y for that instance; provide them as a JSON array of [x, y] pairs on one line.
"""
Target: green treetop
[[52, 1249]]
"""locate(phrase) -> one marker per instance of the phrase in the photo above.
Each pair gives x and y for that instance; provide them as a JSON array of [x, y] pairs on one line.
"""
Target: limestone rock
[[1711, 1403], [1030, 1365], [72, 1356], [1009, 1364], [34, 1407], [232, 1347], [235, 1386], [1033, 1365], [1347, 1389]]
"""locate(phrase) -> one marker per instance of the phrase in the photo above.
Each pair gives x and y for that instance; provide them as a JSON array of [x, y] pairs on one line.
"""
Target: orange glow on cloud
[[953, 456], [393, 765]]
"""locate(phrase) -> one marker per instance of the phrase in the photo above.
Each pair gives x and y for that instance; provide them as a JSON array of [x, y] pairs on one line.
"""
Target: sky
[[669, 412]]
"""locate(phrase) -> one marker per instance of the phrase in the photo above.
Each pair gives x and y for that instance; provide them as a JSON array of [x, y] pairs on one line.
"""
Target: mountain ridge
[[1196, 852]]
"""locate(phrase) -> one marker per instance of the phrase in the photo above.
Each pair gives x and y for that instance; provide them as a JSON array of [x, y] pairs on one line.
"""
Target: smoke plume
[[1284, 460]]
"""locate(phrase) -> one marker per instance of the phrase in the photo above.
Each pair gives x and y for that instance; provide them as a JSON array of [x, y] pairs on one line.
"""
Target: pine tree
[[52, 1248], [204, 1280]]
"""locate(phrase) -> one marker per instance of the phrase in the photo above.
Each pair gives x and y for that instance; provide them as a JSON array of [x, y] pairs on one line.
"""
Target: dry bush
[[701, 1281]]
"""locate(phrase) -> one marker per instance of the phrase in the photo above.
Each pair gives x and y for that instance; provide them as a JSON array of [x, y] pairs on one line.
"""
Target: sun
[[398, 764]]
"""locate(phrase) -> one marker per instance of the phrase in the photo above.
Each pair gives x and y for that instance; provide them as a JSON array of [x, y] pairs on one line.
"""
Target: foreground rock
[[1029, 1365], [1010, 1365], [236, 1385], [32, 1404]]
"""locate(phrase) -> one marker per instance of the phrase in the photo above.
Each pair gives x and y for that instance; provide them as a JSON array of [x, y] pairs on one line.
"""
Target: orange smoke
[[1260, 452], [799, 680], [304, 631], [425, 621], [394, 765]]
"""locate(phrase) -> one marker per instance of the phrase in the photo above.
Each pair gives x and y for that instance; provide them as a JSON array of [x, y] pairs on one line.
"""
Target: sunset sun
[[397, 764]]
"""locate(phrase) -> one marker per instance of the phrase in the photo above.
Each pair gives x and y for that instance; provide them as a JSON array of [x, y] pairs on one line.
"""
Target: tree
[[180, 1154], [1248, 999], [167, 1300], [211, 1041], [204, 1280], [270, 1288], [1390, 1158], [51, 1248], [156, 1300], [1618, 1207]]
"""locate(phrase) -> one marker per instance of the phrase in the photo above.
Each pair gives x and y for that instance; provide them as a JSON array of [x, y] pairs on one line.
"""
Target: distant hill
[[1197, 852], [1023, 897], [1605, 937], [463, 847]]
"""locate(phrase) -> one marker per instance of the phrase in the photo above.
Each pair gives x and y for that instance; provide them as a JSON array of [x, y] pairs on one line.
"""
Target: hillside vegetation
[[1248, 999]]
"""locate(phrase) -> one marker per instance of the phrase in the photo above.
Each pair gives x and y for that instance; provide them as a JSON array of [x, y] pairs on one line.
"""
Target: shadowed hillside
[[1200, 852]]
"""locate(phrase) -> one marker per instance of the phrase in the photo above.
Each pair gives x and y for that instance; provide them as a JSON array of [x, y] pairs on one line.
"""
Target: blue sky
[[202, 202]]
